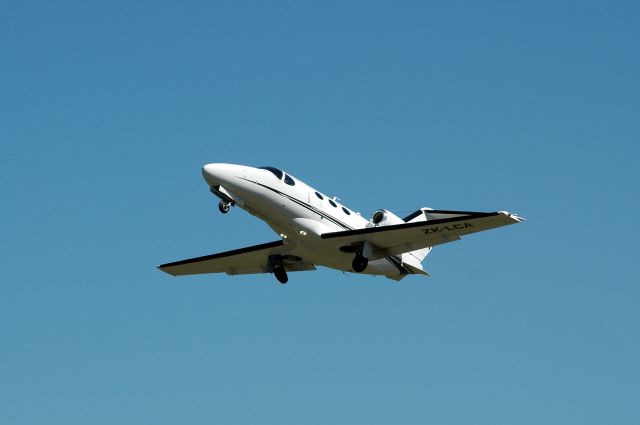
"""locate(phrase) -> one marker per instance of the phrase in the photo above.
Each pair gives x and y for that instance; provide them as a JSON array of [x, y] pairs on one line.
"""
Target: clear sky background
[[108, 110]]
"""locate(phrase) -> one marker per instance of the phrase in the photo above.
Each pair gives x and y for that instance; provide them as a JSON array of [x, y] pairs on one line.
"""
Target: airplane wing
[[249, 260], [440, 227]]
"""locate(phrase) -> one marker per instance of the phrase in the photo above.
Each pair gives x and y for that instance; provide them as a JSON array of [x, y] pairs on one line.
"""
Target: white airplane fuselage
[[297, 212], [317, 230]]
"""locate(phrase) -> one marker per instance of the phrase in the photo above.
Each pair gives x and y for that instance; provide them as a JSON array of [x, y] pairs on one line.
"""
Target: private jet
[[318, 230]]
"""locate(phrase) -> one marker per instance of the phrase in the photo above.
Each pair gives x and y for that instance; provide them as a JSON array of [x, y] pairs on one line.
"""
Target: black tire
[[359, 263], [223, 207], [281, 274]]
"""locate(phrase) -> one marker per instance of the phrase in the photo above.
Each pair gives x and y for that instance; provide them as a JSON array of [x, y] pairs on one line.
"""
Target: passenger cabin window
[[288, 180], [333, 204], [319, 196], [276, 172], [346, 211]]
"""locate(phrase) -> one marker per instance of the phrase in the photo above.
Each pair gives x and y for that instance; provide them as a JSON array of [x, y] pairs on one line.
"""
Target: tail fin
[[414, 258]]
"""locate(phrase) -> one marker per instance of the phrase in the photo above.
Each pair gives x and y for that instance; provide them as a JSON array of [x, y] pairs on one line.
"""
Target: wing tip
[[162, 268]]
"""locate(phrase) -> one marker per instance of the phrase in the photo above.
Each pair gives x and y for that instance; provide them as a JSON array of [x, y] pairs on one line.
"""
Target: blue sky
[[108, 110]]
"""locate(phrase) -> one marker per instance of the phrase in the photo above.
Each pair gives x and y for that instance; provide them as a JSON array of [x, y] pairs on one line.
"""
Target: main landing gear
[[361, 260], [281, 274], [224, 206], [277, 267], [363, 251], [359, 263]]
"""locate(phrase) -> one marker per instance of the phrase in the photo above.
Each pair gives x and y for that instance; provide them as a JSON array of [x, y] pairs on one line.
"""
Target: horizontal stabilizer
[[415, 269]]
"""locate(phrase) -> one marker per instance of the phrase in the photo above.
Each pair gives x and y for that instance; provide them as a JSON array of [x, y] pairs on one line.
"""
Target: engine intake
[[384, 218]]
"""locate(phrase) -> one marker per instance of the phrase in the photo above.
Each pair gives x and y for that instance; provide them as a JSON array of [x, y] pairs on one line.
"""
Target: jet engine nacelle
[[384, 218]]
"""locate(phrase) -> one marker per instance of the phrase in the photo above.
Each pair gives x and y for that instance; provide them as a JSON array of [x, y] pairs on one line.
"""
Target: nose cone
[[209, 173], [217, 173]]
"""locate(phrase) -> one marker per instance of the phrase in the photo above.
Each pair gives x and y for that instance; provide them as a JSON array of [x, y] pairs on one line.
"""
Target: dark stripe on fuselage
[[305, 205]]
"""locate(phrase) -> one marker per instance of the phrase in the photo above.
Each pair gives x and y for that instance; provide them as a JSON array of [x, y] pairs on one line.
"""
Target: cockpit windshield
[[289, 180], [279, 174], [276, 172]]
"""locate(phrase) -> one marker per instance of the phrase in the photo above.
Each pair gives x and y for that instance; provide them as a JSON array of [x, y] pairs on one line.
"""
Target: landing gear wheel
[[359, 263], [224, 207], [281, 274]]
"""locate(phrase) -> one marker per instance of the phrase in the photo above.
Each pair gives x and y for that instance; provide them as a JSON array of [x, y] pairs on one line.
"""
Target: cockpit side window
[[276, 172], [288, 180]]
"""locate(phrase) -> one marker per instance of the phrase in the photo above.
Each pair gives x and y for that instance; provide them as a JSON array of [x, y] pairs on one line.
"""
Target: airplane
[[318, 230]]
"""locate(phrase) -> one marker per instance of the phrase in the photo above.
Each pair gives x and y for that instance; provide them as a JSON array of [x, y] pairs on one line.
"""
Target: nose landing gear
[[224, 207]]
